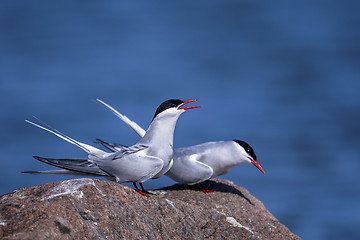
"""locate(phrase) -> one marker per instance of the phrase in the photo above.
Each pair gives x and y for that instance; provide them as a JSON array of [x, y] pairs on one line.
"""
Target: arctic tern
[[149, 157], [160, 134], [199, 163]]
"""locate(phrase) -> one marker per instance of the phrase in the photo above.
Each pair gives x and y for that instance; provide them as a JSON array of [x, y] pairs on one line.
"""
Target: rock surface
[[95, 209]]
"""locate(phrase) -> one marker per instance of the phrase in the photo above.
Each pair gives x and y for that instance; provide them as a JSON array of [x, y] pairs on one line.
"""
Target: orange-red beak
[[257, 164], [190, 107]]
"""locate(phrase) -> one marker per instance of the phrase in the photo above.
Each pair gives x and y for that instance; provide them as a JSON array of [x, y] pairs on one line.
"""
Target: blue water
[[283, 76]]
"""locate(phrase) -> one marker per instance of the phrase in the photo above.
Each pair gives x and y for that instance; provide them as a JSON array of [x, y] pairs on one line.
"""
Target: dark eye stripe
[[168, 104], [247, 148]]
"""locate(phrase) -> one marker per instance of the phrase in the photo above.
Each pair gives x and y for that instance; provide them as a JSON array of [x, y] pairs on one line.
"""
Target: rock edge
[[95, 209]]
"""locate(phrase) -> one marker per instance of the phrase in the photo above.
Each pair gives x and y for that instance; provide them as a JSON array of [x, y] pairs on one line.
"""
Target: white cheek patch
[[170, 112], [242, 152]]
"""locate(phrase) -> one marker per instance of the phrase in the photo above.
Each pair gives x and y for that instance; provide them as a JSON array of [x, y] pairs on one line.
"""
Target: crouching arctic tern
[[201, 162], [150, 157]]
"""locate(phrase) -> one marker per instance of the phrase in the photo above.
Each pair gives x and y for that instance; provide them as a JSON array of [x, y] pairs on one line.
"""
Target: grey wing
[[132, 168], [188, 170], [82, 166], [114, 147], [128, 151]]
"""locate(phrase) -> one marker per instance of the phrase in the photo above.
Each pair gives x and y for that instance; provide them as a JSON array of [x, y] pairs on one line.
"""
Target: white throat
[[160, 134]]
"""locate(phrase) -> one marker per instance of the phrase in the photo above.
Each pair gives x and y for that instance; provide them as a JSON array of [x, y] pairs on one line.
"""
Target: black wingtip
[[28, 172]]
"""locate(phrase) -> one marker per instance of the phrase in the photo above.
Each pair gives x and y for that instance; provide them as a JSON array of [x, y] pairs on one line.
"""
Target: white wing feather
[[139, 130]]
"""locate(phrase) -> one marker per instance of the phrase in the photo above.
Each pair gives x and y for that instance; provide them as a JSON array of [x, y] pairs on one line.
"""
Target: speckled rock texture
[[96, 209]]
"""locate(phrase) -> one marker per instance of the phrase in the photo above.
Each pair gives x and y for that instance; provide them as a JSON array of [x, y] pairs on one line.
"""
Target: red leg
[[138, 190]]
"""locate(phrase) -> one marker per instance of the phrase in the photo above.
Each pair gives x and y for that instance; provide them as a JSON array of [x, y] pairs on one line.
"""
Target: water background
[[283, 76]]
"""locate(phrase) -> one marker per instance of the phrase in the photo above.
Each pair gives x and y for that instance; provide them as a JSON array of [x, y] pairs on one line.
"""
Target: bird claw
[[202, 189], [206, 190]]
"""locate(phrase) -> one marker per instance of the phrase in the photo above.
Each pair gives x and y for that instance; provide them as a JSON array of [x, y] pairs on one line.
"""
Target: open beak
[[186, 102], [257, 164]]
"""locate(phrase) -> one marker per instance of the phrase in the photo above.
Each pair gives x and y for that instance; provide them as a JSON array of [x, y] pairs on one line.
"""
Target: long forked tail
[[139, 130], [71, 166], [62, 172], [87, 148]]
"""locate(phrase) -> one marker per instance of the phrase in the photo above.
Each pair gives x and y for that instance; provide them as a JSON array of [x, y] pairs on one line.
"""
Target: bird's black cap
[[171, 103], [247, 148]]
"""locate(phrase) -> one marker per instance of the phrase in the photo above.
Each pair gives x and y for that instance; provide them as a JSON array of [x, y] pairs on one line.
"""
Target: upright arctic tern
[[201, 162], [160, 133], [138, 163]]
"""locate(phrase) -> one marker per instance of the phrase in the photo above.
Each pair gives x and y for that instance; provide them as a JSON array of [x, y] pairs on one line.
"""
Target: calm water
[[282, 76]]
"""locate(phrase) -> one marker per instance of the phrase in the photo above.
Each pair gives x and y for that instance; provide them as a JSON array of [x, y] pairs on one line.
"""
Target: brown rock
[[95, 209]]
